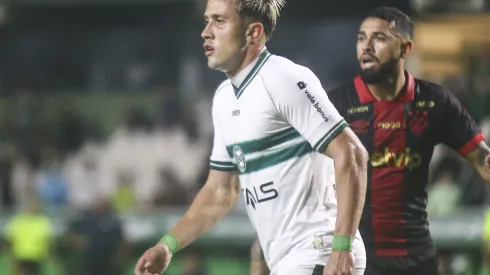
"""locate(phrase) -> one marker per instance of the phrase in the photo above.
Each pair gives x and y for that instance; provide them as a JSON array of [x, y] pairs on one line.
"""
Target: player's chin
[[370, 75], [212, 63]]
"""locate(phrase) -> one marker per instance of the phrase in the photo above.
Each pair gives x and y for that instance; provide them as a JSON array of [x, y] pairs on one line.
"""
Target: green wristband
[[342, 243], [171, 241]]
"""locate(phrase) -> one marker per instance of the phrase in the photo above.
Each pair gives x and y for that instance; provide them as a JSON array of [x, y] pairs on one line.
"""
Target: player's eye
[[380, 38], [360, 38], [219, 21]]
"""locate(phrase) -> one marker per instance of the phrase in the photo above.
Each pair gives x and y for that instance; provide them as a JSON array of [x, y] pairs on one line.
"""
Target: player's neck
[[251, 54], [389, 89]]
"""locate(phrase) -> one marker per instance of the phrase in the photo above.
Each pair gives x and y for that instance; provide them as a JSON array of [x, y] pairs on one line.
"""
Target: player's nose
[[368, 49], [367, 46], [206, 33]]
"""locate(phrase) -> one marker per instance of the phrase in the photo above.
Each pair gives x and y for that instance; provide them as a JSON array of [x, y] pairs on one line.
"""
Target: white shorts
[[304, 261]]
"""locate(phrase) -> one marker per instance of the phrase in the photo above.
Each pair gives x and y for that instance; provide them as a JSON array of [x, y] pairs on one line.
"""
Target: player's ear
[[406, 48], [254, 31]]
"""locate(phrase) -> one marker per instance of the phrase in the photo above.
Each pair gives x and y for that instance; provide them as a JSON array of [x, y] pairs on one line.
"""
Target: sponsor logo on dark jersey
[[407, 159]]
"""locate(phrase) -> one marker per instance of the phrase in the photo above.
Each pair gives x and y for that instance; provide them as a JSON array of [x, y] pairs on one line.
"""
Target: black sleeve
[[459, 130]]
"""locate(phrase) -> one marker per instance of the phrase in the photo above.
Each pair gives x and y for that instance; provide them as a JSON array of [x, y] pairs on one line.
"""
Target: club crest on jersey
[[239, 156]]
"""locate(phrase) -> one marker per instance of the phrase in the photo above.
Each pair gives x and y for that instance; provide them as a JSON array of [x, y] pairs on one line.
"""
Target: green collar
[[251, 75]]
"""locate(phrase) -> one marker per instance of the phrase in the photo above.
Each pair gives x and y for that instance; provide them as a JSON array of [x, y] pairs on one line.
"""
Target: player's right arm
[[216, 198], [213, 201]]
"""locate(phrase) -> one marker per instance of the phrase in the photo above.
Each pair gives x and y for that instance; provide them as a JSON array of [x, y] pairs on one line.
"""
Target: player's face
[[223, 34], [378, 50]]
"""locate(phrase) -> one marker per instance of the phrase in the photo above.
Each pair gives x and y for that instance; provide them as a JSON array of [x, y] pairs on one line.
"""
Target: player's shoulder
[[221, 90], [225, 84], [282, 69], [425, 86], [430, 90], [220, 97]]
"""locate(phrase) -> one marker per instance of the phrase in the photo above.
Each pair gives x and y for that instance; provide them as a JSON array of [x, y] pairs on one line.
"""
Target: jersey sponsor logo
[[390, 125], [239, 157], [265, 192], [318, 242], [357, 110], [235, 113], [302, 86], [425, 104], [407, 159], [359, 126]]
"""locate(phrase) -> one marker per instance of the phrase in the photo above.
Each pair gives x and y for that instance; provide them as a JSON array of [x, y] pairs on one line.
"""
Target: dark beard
[[376, 76]]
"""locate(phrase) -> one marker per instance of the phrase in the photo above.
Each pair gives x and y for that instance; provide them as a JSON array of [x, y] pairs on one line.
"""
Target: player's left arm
[[350, 159], [258, 266], [480, 159], [303, 102], [461, 133]]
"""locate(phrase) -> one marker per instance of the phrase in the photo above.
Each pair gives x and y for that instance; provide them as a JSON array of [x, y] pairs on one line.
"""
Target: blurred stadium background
[[105, 126]]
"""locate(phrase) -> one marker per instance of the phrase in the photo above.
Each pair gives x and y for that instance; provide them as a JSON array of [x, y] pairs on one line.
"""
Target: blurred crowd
[[47, 167], [145, 162]]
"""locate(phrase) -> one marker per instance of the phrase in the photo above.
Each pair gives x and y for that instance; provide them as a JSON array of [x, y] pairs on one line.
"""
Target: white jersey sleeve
[[301, 100], [220, 160]]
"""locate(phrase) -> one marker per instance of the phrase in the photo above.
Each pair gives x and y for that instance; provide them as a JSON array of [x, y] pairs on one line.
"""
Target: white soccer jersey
[[270, 122]]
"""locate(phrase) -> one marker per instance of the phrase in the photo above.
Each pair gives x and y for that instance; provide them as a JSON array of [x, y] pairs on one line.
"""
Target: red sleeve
[[471, 144], [459, 130]]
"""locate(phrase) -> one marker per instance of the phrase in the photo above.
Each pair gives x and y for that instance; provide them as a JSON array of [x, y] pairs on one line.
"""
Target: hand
[[340, 263], [154, 261]]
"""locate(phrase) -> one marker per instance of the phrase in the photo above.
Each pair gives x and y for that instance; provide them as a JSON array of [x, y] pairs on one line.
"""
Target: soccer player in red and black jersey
[[399, 119]]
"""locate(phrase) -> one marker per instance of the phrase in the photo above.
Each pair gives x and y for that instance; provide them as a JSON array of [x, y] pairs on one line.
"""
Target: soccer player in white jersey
[[273, 126]]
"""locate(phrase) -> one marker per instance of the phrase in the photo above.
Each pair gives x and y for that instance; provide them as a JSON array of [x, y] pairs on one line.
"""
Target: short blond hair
[[266, 11]]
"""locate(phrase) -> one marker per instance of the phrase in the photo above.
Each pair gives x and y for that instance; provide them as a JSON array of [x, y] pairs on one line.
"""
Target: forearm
[[258, 266], [209, 206], [351, 181]]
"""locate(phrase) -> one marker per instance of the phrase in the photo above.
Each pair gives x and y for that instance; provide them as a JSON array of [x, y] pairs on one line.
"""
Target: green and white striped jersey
[[270, 122]]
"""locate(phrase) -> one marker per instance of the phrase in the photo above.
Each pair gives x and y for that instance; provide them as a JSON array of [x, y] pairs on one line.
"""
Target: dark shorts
[[427, 267]]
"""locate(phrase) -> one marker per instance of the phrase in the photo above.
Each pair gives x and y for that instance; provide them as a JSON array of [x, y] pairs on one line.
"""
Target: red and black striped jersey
[[400, 137]]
